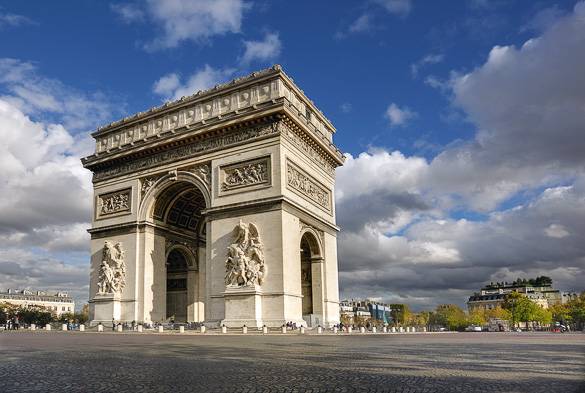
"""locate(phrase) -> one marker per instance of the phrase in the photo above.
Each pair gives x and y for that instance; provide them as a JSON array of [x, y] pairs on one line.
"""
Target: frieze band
[[194, 149], [299, 181]]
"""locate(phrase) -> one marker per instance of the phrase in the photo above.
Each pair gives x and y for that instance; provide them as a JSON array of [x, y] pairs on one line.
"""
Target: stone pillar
[[47, 327], [302, 329], [319, 329], [243, 305], [107, 307], [140, 328], [82, 328], [224, 329], [283, 329], [335, 329], [33, 326], [362, 329], [264, 329], [64, 327], [161, 329], [384, 329], [374, 329], [119, 328], [100, 328], [349, 329], [181, 329], [244, 329], [393, 329], [202, 329]]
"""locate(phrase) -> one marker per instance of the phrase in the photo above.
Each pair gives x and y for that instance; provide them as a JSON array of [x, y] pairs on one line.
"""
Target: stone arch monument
[[217, 208]]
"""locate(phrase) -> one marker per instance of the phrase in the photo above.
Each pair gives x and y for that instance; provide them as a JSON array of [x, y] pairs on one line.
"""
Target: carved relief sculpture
[[245, 265], [112, 272], [305, 185], [114, 202], [147, 184], [203, 172], [247, 174]]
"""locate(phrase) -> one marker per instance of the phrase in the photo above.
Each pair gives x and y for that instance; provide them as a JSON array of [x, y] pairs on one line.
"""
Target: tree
[[419, 319], [83, 315], [400, 313], [477, 317], [450, 316], [35, 314], [560, 313], [498, 313], [522, 309], [66, 317], [543, 316], [576, 312]]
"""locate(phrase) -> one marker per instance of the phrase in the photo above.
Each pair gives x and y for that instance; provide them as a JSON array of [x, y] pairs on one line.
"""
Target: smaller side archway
[[311, 258]]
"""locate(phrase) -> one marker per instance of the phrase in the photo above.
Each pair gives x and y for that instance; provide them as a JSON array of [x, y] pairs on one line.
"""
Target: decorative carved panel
[[203, 172], [304, 184], [113, 203], [146, 184], [246, 174]]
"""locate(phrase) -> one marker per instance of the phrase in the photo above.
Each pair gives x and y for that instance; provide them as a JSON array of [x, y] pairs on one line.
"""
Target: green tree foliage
[[32, 314], [400, 313], [450, 316], [540, 281], [576, 311]]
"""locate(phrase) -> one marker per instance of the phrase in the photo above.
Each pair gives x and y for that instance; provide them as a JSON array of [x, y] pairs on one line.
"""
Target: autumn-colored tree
[[498, 313], [576, 309], [450, 316], [477, 317]]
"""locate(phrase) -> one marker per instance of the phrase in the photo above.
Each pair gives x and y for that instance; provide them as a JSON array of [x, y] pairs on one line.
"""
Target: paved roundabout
[[461, 362]]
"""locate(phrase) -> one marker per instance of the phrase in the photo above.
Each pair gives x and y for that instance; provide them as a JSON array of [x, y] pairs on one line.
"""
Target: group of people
[[13, 324], [291, 325]]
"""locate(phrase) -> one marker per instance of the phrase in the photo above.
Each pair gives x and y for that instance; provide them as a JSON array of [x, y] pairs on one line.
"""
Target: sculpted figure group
[[112, 273], [245, 262]]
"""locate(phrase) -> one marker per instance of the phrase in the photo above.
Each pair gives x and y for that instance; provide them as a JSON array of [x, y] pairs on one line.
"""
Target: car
[[473, 328]]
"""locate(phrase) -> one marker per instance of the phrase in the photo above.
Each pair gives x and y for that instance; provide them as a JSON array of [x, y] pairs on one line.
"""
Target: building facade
[[217, 208], [58, 303], [493, 296], [355, 310]]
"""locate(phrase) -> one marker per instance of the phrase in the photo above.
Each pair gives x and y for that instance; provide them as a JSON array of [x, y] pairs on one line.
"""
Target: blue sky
[[462, 133]]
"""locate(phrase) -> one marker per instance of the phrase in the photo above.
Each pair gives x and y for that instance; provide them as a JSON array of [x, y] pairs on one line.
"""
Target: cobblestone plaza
[[459, 362]]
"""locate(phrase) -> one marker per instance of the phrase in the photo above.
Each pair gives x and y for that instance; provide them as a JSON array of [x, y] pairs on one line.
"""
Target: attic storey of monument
[[209, 200]]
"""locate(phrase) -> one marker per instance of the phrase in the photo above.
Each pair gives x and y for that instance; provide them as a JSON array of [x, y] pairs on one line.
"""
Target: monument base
[[243, 306], [105, 309]]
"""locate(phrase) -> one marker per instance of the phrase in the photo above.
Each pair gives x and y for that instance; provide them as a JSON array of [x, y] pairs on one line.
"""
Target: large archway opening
[[180, 226]]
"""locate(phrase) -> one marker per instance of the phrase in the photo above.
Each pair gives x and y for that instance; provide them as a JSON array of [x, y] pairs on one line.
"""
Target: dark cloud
[[400, 240]]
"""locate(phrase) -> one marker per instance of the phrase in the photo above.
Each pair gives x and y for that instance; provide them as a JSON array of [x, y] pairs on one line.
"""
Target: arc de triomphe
[[217, 208]]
